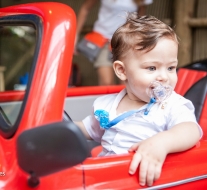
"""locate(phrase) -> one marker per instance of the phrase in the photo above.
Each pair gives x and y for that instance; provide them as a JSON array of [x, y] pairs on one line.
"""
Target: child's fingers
[[134, 147], [158, 170], [153, 173], [143, 172], [150, 174], [135, 163]]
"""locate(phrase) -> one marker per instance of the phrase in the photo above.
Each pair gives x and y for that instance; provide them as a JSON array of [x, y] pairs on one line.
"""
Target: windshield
[[20, 39], [17, 44], [16, 53]]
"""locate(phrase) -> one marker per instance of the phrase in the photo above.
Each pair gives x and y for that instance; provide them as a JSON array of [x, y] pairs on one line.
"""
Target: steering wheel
[[91, 143], [66, 117]]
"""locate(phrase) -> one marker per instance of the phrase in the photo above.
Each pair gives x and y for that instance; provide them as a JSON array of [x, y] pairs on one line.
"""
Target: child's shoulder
[[109, 99], [177, 100], [106, 98], [175, 96]]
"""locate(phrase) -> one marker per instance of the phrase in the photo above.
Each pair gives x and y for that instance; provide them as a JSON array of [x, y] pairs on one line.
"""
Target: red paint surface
[[45, 105]]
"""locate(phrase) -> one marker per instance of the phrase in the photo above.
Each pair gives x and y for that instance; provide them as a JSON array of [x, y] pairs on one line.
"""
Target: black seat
[[197, 94]]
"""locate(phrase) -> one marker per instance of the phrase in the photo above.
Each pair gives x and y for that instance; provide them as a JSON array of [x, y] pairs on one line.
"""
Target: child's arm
[[83, 129], [150, 154]]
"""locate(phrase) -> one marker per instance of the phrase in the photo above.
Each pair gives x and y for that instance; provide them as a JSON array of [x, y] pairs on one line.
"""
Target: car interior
[[192, 84]]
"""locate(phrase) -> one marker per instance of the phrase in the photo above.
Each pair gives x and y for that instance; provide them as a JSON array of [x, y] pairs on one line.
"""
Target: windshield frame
[[7, 130]]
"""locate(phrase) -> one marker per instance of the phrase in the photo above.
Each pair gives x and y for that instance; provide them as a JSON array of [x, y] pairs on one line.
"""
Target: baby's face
[[142, 68]]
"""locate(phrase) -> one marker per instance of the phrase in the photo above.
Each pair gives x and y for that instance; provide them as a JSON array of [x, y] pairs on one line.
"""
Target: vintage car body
[[41, 113]]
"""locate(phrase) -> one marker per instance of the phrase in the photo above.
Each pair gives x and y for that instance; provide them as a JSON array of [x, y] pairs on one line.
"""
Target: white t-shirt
[[120, 137], [112, 14]]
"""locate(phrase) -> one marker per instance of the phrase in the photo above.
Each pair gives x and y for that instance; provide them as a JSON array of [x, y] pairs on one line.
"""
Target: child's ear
[[119, 70]]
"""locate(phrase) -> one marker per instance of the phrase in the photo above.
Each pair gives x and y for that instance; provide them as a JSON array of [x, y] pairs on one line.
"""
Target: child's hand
[[149, 156], [150, 153]]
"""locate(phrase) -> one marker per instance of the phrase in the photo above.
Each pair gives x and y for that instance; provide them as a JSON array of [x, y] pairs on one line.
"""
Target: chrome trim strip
[[172, 184]]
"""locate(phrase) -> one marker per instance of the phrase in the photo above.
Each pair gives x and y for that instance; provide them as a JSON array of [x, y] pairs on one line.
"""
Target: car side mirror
[[50, 148]]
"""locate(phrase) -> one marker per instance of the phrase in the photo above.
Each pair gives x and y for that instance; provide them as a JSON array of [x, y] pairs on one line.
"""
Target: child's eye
[[171, 68], [151, 68]]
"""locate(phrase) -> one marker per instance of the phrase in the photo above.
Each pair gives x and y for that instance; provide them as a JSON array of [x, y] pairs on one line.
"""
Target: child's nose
[[162, 76]]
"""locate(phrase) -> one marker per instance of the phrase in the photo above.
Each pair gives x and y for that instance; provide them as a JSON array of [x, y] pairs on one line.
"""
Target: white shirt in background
[[112, 14]]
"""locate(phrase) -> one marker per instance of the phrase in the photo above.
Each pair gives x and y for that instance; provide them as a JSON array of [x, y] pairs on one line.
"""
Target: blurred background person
[[111, 15]]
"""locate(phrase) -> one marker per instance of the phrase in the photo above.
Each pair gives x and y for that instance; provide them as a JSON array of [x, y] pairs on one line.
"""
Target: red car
[[40, 148]]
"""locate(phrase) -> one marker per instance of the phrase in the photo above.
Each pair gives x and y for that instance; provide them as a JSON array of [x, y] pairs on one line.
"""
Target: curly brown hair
[[139, 33]]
